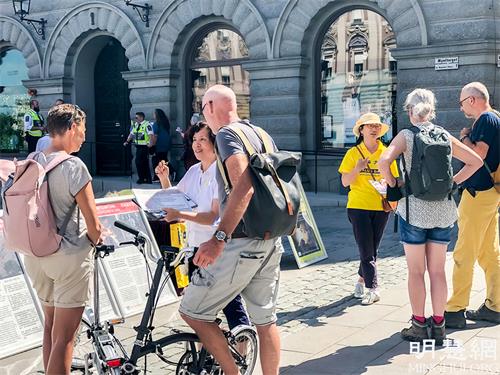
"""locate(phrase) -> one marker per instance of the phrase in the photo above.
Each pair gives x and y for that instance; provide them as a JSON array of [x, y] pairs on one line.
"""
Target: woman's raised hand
[[162, 170]]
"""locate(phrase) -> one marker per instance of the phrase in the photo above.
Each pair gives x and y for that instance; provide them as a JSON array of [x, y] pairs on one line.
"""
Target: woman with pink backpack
[[59, 263]]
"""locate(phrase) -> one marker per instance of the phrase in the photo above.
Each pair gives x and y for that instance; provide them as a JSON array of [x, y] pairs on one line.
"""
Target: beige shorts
[[248, 267], [62, 280]]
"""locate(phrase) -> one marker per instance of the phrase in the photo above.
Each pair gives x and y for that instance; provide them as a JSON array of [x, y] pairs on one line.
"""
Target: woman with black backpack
[[428, 212]]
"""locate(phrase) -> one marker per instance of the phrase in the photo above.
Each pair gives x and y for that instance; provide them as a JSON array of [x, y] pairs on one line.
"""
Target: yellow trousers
[[477, 240]]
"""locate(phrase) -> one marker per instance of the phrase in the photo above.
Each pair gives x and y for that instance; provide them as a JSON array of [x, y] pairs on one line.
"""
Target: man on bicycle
[[230, 262]]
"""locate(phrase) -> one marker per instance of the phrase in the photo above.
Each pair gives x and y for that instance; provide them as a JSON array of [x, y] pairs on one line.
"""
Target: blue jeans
[[413, 235]]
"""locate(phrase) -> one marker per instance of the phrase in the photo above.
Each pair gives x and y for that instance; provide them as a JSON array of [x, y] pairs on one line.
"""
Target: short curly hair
[[61, 117]]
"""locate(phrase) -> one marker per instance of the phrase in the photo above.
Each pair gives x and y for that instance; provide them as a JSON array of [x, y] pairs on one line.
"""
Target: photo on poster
[[306, 243]]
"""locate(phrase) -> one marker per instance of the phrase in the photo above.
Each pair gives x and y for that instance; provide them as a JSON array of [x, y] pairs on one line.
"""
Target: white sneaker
[[359, 290], [370, 297]]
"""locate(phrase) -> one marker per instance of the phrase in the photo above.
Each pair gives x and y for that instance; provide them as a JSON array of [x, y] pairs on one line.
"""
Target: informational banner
[[126, 270], [21, 324], [306, 243]]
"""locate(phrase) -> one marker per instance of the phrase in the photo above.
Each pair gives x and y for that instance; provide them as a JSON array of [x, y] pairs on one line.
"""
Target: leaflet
[[152, 201]]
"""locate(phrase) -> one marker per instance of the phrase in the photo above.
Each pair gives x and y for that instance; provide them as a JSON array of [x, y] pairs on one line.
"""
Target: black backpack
[[431, 175], [274, 207]]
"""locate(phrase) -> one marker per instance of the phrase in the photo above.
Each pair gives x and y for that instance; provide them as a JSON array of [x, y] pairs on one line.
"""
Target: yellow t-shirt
[[362, 194]]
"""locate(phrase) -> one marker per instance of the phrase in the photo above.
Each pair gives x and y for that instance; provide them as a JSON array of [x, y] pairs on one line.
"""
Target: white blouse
[[202, 188]]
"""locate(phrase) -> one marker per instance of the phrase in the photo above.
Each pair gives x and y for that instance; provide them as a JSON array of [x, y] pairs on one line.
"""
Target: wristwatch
[[220, 235]]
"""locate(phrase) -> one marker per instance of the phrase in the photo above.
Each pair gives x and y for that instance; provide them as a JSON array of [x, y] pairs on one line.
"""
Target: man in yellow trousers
[[478, 214]]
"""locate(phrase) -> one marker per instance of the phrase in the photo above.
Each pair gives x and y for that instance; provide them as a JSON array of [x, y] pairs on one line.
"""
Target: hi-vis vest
[[140, 132], [36, 121]]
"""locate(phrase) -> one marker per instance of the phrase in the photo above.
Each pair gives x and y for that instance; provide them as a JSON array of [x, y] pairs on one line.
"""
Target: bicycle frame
[[102, 334]]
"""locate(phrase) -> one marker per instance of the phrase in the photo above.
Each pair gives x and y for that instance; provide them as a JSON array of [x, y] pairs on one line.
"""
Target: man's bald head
[[477, 90], [219, 107], [222, 96]]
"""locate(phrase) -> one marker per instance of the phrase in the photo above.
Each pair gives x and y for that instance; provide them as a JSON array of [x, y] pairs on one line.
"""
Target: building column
[[150, 89], [276, 97]]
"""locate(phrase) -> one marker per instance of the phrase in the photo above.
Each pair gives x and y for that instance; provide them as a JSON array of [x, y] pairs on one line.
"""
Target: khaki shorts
[[248, 267], [62, 280]]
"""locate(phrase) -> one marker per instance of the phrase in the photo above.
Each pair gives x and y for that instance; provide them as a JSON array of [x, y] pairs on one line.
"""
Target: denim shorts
[[413, 235]]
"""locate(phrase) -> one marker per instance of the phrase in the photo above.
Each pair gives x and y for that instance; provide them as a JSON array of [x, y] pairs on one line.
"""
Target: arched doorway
[[217, 59], [357, 75], [14, 100], [112, 110], [100, 90]]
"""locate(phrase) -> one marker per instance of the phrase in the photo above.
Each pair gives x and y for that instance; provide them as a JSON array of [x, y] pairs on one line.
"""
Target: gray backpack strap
[[66, 220]]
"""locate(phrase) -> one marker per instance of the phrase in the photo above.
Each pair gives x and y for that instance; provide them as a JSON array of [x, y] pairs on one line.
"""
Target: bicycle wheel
[[82, 346], [243, 346]]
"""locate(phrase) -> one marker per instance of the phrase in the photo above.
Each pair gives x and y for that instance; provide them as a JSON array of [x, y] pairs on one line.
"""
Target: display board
[[21, 322], [306, 243], [125, 270]]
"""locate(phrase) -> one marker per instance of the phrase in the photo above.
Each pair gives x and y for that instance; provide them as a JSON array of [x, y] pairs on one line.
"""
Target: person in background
[[161, 128], [200, 184], [142, 135], [33, 125], [426, 234], [364, 205], [62, 280]]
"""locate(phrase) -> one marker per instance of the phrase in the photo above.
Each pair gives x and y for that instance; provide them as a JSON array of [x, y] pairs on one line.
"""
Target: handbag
[[386, 206]]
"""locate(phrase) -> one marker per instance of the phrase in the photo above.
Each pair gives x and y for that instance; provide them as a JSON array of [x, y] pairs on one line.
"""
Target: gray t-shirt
[[228, 144], [65, 181]]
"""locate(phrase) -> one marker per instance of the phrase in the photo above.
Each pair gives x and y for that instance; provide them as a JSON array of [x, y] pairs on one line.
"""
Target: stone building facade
[[79, 61]]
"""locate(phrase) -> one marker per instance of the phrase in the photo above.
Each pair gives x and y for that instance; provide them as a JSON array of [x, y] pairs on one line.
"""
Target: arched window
[[14, 100], [217, 60], [357, 77]]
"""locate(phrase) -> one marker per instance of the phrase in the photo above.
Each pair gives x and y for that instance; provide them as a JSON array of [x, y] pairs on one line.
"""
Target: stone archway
[[177, 16], [406, 18], [93, 16], [14, 34]]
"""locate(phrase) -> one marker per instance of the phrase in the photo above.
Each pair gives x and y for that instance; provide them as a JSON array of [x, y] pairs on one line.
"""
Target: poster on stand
[[125, 269], [21, 322], [306, 243]]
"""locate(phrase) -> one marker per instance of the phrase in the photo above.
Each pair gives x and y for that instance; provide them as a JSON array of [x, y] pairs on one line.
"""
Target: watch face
[[220, 235]]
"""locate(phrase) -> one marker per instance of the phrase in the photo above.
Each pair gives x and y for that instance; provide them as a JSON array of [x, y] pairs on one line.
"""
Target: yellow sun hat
[[370, 118]]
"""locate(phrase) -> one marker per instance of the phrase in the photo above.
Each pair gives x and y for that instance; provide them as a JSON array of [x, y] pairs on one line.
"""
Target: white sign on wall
[[445, 63], [498, 61]]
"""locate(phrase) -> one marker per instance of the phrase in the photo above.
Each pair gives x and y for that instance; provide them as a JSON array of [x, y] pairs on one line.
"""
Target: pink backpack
[[29, 221]]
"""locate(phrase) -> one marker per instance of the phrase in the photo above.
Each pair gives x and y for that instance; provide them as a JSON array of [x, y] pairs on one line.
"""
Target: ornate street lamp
[[22, 9], [146, 8]]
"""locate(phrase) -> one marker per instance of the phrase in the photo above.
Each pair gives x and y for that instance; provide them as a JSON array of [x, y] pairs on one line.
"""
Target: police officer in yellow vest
[[142, 135], [33, 125]]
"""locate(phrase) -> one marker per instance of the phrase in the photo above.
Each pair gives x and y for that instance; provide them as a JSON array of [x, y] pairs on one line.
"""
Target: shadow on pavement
[[311, 315], [351, 359]]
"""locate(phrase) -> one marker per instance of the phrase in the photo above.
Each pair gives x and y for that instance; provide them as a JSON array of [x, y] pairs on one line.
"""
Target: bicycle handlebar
[[126, 228]]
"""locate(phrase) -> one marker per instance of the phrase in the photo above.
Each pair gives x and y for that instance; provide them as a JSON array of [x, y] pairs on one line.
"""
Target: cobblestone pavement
[[314, 292]]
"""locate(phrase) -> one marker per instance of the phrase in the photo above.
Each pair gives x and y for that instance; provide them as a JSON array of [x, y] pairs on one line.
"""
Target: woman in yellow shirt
[[359, 169]]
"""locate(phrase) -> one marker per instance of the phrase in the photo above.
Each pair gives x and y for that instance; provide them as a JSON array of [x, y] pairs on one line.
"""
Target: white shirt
[[202, 188], [43, 143]]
